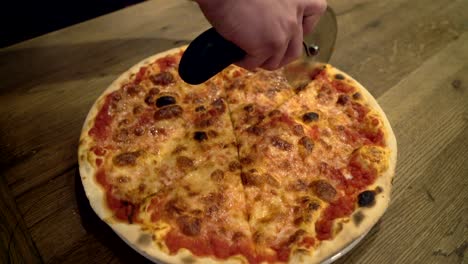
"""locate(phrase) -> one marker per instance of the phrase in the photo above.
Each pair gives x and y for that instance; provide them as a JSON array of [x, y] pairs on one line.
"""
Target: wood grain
[[427, 219], [412, 55], [16, 245]]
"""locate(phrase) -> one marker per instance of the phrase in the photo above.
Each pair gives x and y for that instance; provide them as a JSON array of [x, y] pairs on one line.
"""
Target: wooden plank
[[16, 245], [380, 42], [426, 221]]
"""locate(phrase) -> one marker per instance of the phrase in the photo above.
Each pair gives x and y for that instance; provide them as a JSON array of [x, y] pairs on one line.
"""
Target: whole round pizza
[[243, 168]]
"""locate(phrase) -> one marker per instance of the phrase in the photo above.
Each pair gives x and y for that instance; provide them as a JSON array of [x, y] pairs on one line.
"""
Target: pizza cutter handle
[[207, 55]]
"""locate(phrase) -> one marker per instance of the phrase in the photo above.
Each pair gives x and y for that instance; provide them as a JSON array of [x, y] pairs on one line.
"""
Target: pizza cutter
[[210, 53]]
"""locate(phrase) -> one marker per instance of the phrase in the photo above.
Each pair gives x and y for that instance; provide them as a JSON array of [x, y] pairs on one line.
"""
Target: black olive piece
[[165, 100], [366, 199], [309, 117], [200, 136]]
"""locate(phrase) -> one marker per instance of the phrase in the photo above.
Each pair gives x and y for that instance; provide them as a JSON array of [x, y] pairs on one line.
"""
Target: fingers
[[309, 23], [274, 62], [251, 62], [294, 49], [317, 7], [275, 40]]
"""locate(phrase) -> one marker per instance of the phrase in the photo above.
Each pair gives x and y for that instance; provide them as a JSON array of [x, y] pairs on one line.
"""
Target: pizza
[[244, 168]]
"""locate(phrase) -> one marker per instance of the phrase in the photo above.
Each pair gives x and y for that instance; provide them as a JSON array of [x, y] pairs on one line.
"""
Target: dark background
[[25, 19]]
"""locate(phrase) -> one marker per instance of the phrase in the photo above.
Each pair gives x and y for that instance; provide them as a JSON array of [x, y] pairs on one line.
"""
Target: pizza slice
[[311, 163], [252, 95], [203, 207]]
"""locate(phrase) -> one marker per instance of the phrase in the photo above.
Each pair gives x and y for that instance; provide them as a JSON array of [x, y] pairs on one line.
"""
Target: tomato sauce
[[123, 210], [342, 207], [342, 87], [307, 242], [314, 132], [360, 110], [313, 74], [98, 151], [166, 62], [375, 137], [320, 75], [210, 244], [362, 177], [140, 75], [103, 119]]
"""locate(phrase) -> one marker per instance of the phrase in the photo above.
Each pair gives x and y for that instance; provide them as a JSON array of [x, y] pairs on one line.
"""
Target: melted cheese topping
[[240, 165]]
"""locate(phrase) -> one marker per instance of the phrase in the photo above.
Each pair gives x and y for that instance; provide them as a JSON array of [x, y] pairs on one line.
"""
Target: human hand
[[269, 31]]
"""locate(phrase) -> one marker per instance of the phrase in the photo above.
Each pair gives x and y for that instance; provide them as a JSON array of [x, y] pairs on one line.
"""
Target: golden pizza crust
[[142, 240]]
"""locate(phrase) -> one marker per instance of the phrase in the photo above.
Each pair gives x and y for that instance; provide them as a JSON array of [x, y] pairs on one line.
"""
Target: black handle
[[207, 55]]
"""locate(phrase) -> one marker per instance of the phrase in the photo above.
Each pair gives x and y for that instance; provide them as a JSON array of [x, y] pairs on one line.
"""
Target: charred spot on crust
[[200, 136], [168, 112], [358, 217], [163, 78], [188, 260], [339, 76], [165, 100], [144, 239], [342, 99], [357, 96], [309, 117], [366, 199], [378, 190]]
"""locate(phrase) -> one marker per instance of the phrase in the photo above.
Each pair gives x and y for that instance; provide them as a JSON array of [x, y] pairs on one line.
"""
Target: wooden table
[[412, 55]]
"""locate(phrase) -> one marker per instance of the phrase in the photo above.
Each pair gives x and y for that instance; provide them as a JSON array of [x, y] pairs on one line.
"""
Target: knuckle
[[270, 67], [291, 24], [276, 43], [321, 6]]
